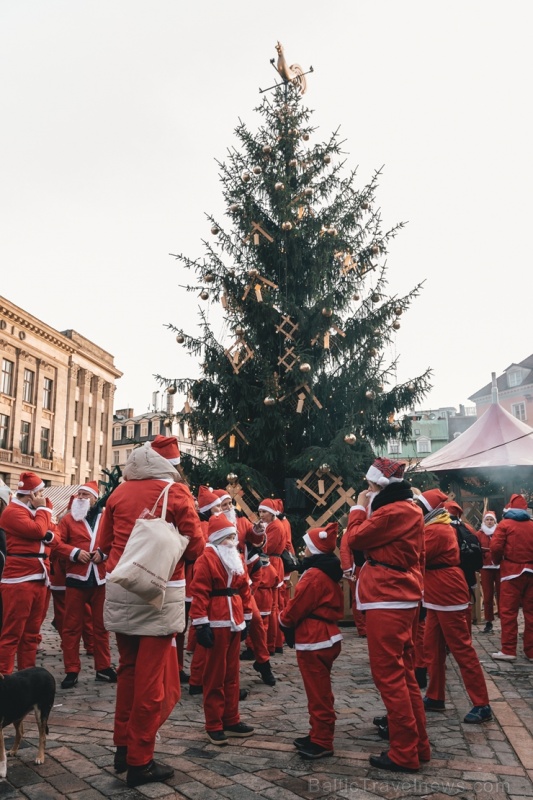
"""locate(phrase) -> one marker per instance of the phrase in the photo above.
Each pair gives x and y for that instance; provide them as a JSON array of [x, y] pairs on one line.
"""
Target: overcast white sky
[[114, 111]]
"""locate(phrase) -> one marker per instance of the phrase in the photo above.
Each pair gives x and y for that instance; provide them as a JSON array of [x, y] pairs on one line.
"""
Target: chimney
[[494, 388]]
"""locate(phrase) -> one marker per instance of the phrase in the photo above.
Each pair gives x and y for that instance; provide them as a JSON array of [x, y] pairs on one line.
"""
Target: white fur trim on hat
[[422, 499], [267, 508], [312, 547], [174, 461], [223, 533], [489, 514], [30, 491], [377, 477], [209, 506]]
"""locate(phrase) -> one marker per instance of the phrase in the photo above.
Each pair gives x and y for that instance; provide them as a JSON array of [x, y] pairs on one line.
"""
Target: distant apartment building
[[515, 391], [56, 401]]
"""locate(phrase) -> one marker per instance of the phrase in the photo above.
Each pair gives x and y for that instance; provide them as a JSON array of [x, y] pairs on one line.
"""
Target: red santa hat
[[219, 528], [322, 540], [167, 446], [453, 508], [384, 471], [207, 499], [222, 494], [270, 505], [29, 482], [432, 499], [517, 501], [490, 514], [279, 505], [92, 487]]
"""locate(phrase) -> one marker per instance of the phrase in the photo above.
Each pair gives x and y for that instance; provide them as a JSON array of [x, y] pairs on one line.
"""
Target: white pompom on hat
[[322, 540]]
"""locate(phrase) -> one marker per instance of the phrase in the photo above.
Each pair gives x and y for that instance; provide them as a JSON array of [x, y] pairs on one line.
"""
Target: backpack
[[289, 561], [470, 553]]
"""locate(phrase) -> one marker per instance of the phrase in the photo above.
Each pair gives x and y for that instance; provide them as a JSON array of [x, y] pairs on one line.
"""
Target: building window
[[7, 376], [155, 426], [4, 431], [128, 454], [76, 410], [144, 429], [117, 434], [45, 442], [102, 421], [519, 411], [394, 447], [73, 447], [88, 450], [116, 457], [423, 446], [101, 455], [27, 385], [417, 431], [48, 387], [24, 438], [514, 378], [130, 431]]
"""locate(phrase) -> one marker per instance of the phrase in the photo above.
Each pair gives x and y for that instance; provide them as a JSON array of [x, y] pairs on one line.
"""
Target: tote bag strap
[[164, 495]]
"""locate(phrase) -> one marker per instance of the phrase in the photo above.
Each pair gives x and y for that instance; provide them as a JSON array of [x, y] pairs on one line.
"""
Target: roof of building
[[501, 380]]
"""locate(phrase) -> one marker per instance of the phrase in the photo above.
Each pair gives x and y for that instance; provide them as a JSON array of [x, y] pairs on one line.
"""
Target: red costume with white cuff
[[490, 572]]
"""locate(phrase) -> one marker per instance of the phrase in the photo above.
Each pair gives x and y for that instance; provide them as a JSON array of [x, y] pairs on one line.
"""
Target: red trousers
[[391, 633], [358, 616], [257, 637], [197, 661], [315, 666], [490, 588], [513, 594], [221, 680], [452, 628], [140, 693], [58, 597], [75, 603], [420, 655], [24, 606], [273, 622]]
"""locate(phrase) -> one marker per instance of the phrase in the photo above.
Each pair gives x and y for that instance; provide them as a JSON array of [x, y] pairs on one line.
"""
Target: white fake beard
[[231, 515], [488, 531], [80, 508], [229, 555]]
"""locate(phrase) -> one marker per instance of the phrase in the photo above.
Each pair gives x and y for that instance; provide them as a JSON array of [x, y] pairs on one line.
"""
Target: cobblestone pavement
[[492, 760]]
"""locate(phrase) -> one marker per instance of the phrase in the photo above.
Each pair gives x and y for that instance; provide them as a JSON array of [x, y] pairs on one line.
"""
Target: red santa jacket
[[76, 535], [263, 580], [27, 553], [220, 611], [315, 595], [274, 546], [511, 546], [392, 536], [126, 505], [445, 589], [485, 540]]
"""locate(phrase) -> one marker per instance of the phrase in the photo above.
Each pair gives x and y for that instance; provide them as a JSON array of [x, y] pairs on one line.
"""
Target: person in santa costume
[[144, 659], [490, 572], [27, 522], [85, 584], [274, 546], [220, 610], [310, 623], [512, 548], [389, 590], [447, 599]]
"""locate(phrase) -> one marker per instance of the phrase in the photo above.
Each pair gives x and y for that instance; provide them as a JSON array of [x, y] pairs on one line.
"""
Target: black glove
[[245, 631], [205, 636], [289, 634]]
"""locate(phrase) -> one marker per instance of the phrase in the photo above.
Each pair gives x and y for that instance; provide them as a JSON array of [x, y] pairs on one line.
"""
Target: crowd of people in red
[[399, 552]]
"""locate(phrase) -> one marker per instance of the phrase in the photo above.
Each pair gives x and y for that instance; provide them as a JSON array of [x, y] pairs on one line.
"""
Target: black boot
[[421, 675], [247, 655], [120, 761], [150, 773], [265, 670]]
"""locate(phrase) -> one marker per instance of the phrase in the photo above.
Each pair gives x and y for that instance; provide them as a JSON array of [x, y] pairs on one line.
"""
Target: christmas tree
[[299, 384]]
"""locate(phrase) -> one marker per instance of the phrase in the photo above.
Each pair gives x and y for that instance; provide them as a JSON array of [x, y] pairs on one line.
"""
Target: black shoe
[[151, 773], [239, 731], [243, 694], [265, 670], [247, 655], [70, 680], [384, 762], [302, 742], [487, 628], [434, 705], [312, 751], [120, 762], [184, 678], [107, 675], [421, 675], [380, 721], [193, 689], [279, 650], [383, 732], [217, 737]]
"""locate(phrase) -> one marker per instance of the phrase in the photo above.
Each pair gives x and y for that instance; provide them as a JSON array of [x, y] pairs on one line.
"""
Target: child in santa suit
[[276, 537], [490, 572], [309, 621], [220, 605]]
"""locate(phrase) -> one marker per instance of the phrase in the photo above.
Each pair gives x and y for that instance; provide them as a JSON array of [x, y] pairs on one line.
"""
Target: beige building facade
[[56, 401]]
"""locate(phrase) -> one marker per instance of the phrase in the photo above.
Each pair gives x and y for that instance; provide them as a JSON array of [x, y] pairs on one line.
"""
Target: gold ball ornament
[[245, 177], [253, 273], [350, 438], [398, 311], [365, 205], [372, 352], [370, 395], [204, 294], [171, 390], [375, 297], [215, 230], [356, 297], [305, 136], [180, 338], [209, 278], [293, 163], [267, 149], [231, 477], [286, 226], [396, 325], [324, 468], [332, 231], [327, 159], [411, 387], [257, 170], [279, 186], [167, 422], [305, 367], [269, 401], [375, 250], [239, 330], [308, 191], [234, 207], [327, 312]]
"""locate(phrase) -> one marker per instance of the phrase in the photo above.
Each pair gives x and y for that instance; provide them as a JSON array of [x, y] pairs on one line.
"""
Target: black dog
[[19, 693]]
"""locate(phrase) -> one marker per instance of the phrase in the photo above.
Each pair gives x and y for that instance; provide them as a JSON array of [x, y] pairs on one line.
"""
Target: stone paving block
[[253, 782], [20, 775], [156, 790], [8, 792], [197, 791], [67, 782], [87, 794], [42, 791]]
